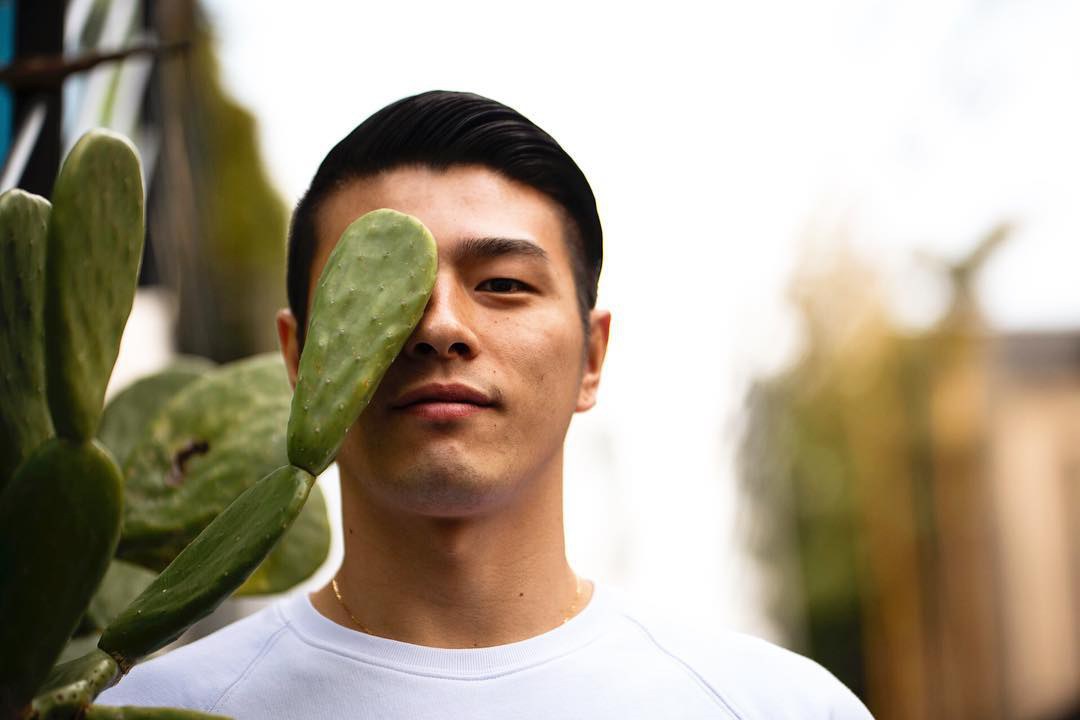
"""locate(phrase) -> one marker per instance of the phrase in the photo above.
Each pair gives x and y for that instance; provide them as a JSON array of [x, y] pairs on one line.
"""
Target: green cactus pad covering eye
[[24, 414], [370, 296], [59, 525], [210, 568], [91, 269], [72, 686], [214, 439]]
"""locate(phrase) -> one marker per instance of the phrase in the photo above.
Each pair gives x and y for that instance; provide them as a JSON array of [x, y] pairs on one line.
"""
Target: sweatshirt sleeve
[[755, 678], [196, 676]]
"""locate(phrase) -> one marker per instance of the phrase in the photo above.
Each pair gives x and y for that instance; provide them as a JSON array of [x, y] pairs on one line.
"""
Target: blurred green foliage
[[216, 219], [863, 464]]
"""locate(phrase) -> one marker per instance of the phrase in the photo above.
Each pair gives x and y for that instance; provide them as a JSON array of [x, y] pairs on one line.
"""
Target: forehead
[[456, 204]]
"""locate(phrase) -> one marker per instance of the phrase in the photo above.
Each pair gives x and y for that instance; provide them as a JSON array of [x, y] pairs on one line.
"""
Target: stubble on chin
[[447, 487]]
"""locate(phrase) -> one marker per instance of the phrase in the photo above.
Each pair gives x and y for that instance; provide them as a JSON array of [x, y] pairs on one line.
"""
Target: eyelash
[[520, 285]]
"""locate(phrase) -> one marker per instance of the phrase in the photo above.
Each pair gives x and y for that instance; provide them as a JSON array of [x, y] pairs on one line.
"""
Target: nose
[[445, 329]]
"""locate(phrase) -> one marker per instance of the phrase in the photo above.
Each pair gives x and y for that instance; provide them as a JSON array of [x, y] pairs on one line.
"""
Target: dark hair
[[440, 129]]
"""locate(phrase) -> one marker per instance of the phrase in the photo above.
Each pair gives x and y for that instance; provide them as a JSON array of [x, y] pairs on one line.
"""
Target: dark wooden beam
[[39, 31]]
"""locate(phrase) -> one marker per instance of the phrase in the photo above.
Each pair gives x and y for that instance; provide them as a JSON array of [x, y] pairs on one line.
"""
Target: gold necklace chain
[[364, 628]]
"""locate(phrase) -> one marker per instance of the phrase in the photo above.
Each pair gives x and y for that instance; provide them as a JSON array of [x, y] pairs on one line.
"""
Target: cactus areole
[[370, 296]]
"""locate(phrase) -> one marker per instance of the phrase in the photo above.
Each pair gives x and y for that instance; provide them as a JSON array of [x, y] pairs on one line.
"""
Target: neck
[[480, 580]]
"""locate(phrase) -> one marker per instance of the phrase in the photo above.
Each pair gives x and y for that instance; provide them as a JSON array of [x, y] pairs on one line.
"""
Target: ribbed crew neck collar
[[465, 663]]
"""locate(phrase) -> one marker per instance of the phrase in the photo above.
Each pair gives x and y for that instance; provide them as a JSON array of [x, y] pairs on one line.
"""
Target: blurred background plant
[[216, 226], [916, 499], [213, 268]]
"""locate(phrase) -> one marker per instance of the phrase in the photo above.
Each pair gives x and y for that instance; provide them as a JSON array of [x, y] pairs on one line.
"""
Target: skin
[[454, 528]]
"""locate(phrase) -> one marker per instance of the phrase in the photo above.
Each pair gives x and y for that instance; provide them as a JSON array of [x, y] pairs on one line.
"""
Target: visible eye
[[504, 285]]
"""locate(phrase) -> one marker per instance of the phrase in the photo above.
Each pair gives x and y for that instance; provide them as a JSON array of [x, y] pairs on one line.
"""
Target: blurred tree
[[863, 464], [217, 226]]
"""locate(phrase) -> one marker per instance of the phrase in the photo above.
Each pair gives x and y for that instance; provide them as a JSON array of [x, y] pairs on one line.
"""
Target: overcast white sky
[[714, 135]]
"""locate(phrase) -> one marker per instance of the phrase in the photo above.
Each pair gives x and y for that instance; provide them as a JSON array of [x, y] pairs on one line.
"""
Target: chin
[[445, 489]]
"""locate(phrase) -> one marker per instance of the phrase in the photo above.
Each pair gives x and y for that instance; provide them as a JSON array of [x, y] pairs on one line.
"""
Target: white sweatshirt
[[289, 662]]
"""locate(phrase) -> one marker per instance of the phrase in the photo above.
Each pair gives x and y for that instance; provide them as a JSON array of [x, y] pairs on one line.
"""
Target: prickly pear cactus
[[74, 685], [123, 582], [24, 415], [95, 247], [393, 283], [129, 411], [301, 551], [211, 441], [60, 512], [370, 296], [59, 525], [209, 569]]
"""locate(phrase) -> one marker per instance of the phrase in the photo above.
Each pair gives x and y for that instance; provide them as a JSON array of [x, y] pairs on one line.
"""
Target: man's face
[[502, 321]]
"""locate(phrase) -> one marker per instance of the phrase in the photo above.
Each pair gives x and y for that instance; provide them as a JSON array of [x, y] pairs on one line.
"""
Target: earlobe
[[286, 329], [599, 332]]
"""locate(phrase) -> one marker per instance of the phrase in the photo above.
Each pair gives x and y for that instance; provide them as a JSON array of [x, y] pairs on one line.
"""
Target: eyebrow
[[475, 248]]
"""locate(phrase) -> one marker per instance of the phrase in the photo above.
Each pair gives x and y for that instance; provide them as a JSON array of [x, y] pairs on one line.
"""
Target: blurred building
[[1034, 472], [917, 503]]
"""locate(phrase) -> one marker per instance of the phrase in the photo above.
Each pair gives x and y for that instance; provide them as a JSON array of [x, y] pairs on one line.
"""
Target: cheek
[[544, 354]]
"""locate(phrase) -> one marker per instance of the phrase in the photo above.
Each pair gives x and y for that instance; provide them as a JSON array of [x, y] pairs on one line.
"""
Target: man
[[455, 599]]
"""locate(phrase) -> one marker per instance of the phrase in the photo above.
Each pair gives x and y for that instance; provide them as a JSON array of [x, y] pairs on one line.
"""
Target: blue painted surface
[[7, 52]]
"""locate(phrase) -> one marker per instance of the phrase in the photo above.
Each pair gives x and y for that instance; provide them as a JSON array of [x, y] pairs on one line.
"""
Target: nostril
[[424, 349]]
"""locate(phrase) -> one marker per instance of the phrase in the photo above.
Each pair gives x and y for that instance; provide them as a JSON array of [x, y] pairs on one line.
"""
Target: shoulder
[[753, 677], [195, 676]]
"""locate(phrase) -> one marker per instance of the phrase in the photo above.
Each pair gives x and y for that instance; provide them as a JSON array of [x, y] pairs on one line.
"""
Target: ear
[[290, 350], [596, 348]]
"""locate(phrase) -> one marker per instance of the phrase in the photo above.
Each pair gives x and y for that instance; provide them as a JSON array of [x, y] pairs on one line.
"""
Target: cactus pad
[[131, 411], [91, 269], [59, 525], [71, 687], [24, 414], [303, 548], [123, 582], [370, 296], [210, 568], [214, 439]]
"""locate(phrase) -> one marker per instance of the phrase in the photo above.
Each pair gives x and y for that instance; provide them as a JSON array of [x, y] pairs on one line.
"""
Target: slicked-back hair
[[441, 129]]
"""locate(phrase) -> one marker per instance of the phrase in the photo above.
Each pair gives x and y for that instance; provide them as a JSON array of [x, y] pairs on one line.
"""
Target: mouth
[[443, 401], [443, 411]]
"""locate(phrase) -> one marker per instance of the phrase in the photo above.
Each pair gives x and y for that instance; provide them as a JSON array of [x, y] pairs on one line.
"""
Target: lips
[[443, 393]]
